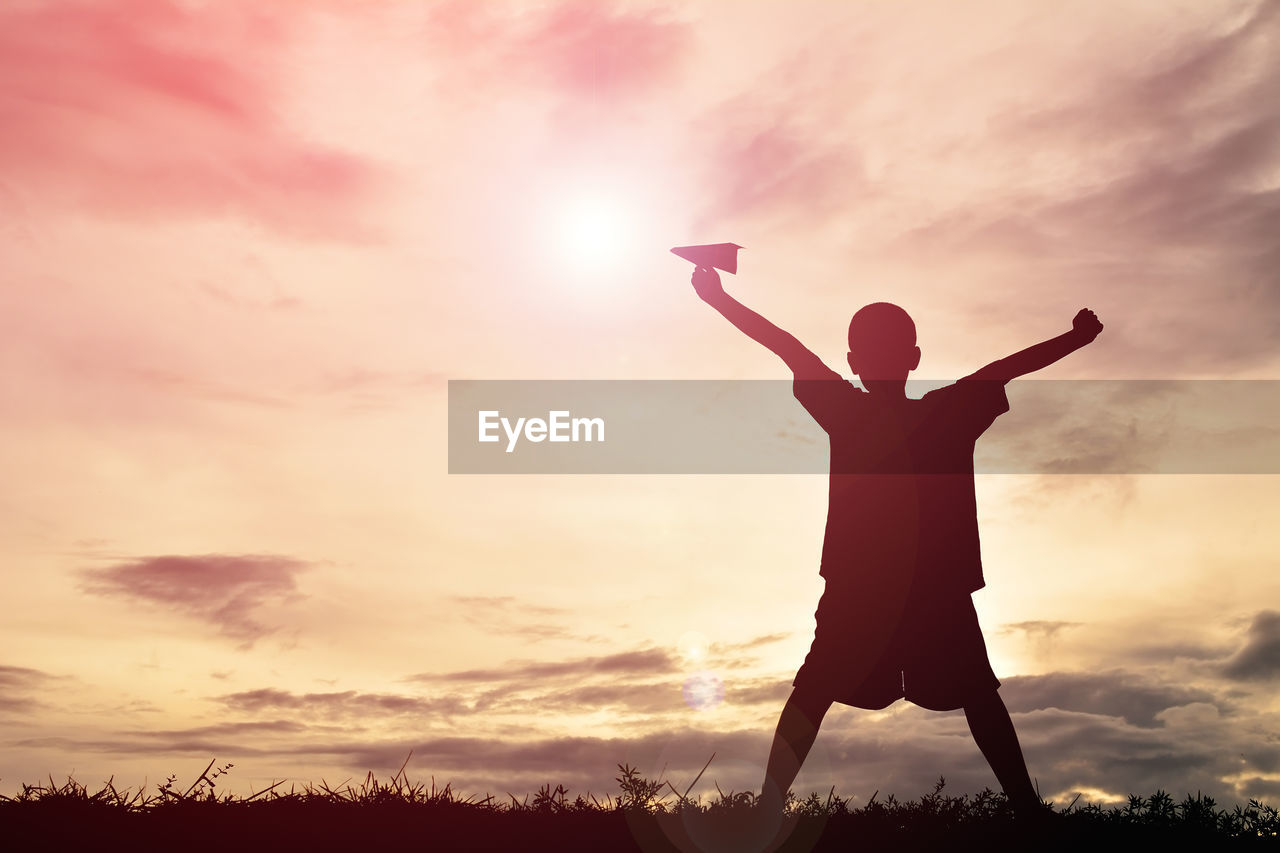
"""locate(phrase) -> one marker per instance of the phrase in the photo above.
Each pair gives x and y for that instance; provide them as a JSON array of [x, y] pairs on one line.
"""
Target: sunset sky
[[247, 245]]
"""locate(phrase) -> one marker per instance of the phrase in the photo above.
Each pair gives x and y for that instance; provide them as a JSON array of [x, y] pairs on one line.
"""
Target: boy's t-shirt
[[902, 515]]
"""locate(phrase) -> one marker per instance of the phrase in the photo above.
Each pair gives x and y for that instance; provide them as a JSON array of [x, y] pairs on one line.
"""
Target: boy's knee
[[984, 703]]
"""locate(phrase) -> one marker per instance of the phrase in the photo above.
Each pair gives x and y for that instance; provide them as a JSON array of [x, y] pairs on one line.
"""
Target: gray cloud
[[1259, 658], [1113, 731], [1266, 790], [1112, 743], [768, 692], [645, 698], [1114, 694], [229, 729], [223, 590], [1254, 657], [1069, 750], [1166, 652], [236, 738]]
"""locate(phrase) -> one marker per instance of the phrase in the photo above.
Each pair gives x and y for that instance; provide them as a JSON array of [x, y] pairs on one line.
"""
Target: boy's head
[[882, 342]]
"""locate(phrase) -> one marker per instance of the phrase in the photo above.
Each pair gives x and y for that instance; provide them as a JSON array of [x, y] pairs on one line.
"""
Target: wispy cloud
[[1112, 176], [1040, 629], [366, 388], [599, 51], [753, 643], [174, 382], [763, 162], [642, 662], [223, 590], [1161, 187], [347, 703], [640, 685], [156, 108], [17, 683], [21, 677], [508, 616], [235, 738]]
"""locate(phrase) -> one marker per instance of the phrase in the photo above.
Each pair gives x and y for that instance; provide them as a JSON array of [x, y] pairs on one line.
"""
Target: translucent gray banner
[[758, 427]]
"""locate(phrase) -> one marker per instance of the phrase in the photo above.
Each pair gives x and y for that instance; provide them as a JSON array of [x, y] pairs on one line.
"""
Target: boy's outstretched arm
[[799, 358], [1084, 328]]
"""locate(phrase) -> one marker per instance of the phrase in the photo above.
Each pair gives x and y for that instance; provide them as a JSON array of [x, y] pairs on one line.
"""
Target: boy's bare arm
[[1084, 328], [798, 357]]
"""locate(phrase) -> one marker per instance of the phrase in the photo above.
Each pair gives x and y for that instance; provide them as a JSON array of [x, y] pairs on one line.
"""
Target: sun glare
[[592, 233], [692, 647]]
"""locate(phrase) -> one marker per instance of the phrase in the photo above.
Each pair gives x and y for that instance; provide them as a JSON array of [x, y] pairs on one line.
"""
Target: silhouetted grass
[[646, 815]]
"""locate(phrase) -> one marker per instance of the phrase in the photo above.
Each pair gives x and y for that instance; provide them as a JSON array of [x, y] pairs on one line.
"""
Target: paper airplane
[[722, 256]]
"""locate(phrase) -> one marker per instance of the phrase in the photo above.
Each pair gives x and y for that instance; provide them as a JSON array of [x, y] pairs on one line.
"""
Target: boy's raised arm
[[805, 365], [1084, 328]]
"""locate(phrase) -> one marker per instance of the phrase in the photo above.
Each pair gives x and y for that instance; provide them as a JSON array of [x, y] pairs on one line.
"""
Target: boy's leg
[[993, 731], [797, 728]]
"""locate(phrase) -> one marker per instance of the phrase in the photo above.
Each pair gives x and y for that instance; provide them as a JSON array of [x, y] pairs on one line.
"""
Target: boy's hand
[[1086, 325], [706, 283]]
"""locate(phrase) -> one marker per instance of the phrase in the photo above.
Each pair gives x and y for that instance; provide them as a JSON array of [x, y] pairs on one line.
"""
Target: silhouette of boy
[[900, 556]]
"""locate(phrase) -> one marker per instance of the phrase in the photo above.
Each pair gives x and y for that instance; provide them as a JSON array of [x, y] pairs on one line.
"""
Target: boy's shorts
[[929, 651]]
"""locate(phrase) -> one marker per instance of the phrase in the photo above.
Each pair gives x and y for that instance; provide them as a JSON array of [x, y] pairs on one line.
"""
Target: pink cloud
[[576, 50], [149, 108], [591, 49], [223, 590], [764, 162]]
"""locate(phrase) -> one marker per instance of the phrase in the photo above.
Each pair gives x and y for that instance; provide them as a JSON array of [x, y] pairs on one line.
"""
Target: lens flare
[[703, 691]]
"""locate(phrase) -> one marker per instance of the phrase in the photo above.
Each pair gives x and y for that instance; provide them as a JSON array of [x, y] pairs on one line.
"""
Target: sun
[[692, 647], [591, 232]]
